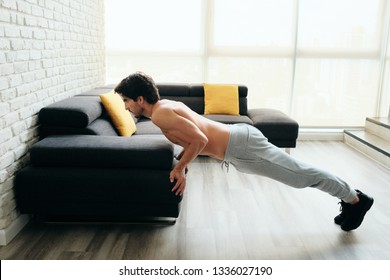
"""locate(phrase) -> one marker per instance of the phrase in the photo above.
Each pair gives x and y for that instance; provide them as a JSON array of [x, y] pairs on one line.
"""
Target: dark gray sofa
[[82, 170]]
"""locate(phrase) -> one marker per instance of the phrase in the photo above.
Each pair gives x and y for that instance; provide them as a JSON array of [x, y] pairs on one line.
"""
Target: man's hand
[[179, 176]]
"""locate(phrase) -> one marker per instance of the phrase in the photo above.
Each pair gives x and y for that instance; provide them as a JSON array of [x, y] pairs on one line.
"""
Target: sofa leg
[[287, 150]]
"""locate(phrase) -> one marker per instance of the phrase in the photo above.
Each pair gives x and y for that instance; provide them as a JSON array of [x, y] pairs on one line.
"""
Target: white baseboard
[[309, 134], [7, 234]]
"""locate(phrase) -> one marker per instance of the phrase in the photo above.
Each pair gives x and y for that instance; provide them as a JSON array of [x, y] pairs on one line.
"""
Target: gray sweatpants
[[250, 152]]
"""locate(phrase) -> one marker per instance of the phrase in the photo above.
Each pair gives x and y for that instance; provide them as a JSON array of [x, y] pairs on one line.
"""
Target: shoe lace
[[226, 165], [343, 207]]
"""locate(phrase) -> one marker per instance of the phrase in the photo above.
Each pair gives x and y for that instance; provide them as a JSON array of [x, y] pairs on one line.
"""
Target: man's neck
[[149, 108]]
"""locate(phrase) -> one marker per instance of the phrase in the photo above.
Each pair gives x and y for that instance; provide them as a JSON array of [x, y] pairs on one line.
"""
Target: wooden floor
[[235, 216]]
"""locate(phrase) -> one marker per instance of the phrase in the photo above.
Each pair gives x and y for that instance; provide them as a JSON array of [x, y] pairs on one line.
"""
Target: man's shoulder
[[163, 106], [162, 112], [166, 105]]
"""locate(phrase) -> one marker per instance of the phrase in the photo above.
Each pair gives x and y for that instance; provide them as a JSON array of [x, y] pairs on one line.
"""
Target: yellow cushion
[[121, 118], [221, 99]]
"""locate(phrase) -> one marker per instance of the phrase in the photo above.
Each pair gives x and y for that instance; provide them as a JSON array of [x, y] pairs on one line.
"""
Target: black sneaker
[[339, 219], [352, 216]]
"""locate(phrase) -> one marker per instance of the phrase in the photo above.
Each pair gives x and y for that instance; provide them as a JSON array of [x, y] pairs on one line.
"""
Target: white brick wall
[[49, 50]]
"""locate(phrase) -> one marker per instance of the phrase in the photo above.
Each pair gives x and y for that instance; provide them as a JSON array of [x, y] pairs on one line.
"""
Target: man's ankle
[[355, 201]]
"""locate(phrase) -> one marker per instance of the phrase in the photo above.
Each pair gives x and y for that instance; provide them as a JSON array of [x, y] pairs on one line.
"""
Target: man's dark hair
[[139, 84]]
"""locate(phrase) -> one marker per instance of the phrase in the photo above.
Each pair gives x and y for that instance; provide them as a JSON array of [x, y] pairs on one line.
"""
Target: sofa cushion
[[146, 127], [198, 90], [121, 118], [221, 99], [173, 90], [94, 92], [274, 124], [102, 126], [76, 112], [197, 96], [140, 152]]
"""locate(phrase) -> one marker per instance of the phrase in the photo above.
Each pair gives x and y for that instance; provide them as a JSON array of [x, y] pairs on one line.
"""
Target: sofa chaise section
[[98, 178]]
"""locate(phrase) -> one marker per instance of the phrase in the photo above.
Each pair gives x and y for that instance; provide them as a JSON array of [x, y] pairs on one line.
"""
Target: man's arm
[[178, 157], [183, 132]]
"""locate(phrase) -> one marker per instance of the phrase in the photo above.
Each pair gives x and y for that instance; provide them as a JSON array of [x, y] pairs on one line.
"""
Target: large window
[[161, 38], [324, 62], [384, 97], [153, 26], [338, 61], [261, 26]]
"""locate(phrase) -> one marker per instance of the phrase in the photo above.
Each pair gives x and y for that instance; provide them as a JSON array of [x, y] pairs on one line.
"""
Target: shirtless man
[[244, 146]]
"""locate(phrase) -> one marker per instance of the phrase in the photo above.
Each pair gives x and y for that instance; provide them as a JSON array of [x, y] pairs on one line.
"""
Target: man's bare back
[[178, 129]]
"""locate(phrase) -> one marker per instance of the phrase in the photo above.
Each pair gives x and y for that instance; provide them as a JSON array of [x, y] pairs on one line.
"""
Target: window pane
[[253, 23], [340, 25], [388, 36], [384, 107], [153, 25], [268, 79], [385, 102], [161, 68], [335, 92]]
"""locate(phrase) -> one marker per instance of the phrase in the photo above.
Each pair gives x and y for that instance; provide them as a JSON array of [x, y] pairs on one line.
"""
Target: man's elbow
[[203, 142]]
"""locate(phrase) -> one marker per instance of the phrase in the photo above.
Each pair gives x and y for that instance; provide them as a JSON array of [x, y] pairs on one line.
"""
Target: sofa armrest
[[91, 151], [274, 124], [76, 112]]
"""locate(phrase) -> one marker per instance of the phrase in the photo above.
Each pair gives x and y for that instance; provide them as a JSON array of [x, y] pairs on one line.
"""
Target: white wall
[[49, 50]]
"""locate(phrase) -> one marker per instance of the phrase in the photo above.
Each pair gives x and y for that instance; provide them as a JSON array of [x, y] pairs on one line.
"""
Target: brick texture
[[49, 50]]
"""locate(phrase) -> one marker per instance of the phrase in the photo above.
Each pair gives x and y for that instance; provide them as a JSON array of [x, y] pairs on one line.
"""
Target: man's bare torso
[[216, 133]]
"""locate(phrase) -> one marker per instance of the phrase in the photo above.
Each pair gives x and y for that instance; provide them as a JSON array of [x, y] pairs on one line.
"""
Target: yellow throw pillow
[[121, 118], [221, 99]]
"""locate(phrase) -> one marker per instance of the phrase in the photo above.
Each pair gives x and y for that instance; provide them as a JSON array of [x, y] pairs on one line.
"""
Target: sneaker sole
[[361, 218], [338, 222]]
